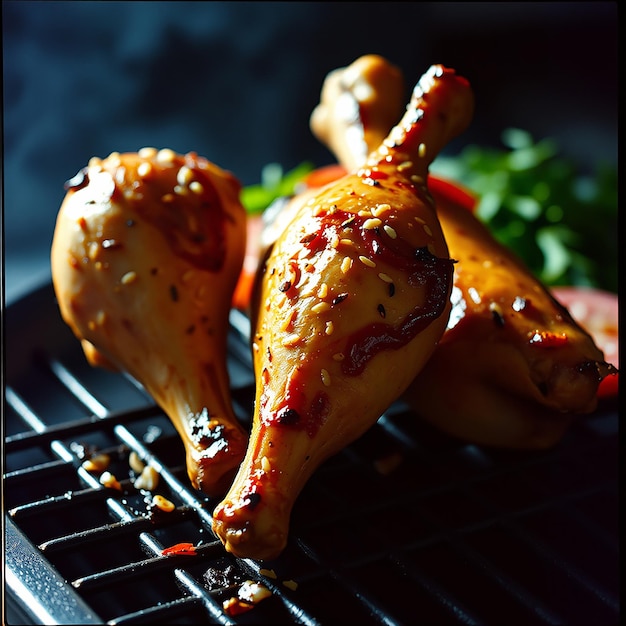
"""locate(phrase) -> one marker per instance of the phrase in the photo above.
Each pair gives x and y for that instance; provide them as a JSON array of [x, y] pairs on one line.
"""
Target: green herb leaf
[[563, 224]]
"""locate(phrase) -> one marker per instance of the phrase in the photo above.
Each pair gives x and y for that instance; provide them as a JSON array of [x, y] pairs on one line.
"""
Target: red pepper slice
[[183, 549]]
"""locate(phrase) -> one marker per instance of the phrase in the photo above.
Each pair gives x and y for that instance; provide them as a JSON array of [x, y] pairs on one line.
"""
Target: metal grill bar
[[458, 511]]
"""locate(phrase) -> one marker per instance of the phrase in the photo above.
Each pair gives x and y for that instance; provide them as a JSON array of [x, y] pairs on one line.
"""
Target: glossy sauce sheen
[[192, 222], [420, 268]]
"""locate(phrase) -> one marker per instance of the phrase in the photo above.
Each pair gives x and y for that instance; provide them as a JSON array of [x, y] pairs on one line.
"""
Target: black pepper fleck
[[252, 501], [340, 298], [288, 416], [392, 290], [381, 310], [173, 293], [497, 318]]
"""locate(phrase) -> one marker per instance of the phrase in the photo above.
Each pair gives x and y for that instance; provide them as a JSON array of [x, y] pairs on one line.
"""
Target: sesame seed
[[266, 466], [130, 194], [346, 242], [290, 584], [427, 230], [163, 504], [92, 250], [97, 463], [339, 356], [346, 223], [270, 573], [147, 153], [114, 159], [431, 249], [320, 307], [419, 220], [346, 264], [196, 187], [385, 277], [367, 261], [181, 191], [421, 150], [390, 231], [322, 292], [377, 211], [165, 156], [371, 223], [291, 340], [418, 180], [330, 327], [108, 480], [187, 276], [101, 317], [288, 321], [144, 168], [363, 213], [135, 462], [334, 242], [128, 278], [148, 479], [184, 175], [405, 165], [325, 377]]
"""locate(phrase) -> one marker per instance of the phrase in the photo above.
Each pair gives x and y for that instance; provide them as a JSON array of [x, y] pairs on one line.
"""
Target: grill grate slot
[[404, 526]]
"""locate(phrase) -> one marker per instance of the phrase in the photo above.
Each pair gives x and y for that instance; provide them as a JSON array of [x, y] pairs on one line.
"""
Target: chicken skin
[[145, 256], [354, 298], [513, 368]]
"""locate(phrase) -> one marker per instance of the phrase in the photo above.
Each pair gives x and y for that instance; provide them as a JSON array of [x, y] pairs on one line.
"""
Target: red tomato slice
[[597, 312], [452, 192], [243, 289], [323, 175]]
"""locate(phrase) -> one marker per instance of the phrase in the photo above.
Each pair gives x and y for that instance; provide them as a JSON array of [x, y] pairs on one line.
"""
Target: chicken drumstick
[[513, 367], [354, 298], [145, 256]]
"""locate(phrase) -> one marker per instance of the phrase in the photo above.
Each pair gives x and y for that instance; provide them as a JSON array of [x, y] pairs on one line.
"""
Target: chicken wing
[[513, 367], [145, 256], [355, 296]]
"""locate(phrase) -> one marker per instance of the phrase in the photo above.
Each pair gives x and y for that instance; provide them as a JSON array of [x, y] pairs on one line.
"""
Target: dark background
[[237, 81]]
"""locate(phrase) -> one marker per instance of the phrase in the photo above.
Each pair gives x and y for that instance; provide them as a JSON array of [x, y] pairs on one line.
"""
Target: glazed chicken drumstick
[[145, 256], [354, 297], [513, 367]]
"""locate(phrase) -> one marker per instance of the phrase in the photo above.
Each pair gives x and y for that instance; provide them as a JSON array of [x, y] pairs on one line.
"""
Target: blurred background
[[237, 81]]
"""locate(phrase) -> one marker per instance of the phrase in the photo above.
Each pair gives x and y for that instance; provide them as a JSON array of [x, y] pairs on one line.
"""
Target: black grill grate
[[405, 526]]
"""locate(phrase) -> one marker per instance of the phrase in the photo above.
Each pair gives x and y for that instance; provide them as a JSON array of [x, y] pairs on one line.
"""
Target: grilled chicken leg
[[513, 367], [145, 255], [354, 298]]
